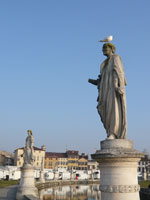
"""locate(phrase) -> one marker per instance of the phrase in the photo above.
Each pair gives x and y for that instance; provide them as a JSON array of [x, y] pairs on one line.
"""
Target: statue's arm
[[117, 87], [95, 82], [32, 141]]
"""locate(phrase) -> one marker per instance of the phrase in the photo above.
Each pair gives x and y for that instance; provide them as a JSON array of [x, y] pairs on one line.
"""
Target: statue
[[27, 182], [111, 94], [28, 150]]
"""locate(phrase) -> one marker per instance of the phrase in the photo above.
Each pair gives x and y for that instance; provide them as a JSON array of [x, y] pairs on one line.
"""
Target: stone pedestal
[[118, 166], [27, 183]]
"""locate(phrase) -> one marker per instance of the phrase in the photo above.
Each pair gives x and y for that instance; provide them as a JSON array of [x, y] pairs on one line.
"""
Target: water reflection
[[74, 192]]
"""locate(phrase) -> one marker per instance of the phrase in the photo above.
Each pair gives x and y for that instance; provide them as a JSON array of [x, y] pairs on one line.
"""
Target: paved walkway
[[8, 193]]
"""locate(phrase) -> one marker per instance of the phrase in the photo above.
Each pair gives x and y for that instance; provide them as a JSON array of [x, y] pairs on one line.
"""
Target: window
[[139, 169]]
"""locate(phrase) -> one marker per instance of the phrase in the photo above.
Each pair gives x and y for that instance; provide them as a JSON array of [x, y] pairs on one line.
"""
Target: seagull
[[108, 39]]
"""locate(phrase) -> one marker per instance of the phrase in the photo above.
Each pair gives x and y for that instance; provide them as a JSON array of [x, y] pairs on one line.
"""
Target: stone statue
[[27, 182], [111, 94], [28, 150]]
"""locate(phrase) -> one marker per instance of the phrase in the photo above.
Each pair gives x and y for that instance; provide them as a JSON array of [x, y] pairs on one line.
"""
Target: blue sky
[[48, 50]]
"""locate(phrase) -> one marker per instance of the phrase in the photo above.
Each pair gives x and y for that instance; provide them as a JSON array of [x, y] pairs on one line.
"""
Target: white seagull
[[108, 39]]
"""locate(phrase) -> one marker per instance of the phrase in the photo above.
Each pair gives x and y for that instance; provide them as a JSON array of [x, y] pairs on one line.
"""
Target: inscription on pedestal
[[120, 188]]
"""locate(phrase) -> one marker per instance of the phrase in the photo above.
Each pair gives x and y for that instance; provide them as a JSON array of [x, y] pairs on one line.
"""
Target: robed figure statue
[[111, 94], [28, 149]]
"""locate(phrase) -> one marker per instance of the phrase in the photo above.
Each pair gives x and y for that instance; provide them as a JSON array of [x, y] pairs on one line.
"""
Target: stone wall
[[49, 184], [60, 183]]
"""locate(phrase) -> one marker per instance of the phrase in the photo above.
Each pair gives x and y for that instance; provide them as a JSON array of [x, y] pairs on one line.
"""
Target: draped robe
[[112, 98], [29, 151]]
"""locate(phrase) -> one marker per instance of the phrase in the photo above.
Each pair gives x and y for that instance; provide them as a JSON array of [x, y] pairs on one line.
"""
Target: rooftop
[[55, 155], [35, 148]]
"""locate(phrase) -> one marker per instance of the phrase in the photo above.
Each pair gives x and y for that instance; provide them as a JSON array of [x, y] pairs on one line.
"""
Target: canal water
[[74, 192]]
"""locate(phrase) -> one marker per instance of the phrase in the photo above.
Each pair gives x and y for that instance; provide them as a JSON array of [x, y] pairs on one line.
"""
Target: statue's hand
[[89, 80], [92, 81], [120, 90]]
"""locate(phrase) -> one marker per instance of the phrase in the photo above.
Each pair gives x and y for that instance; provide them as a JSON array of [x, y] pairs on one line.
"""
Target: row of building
[[70, 159], [51, 160]]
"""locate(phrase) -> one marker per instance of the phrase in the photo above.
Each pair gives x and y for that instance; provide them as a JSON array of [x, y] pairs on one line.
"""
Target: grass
[[144, 184], [4, 183]]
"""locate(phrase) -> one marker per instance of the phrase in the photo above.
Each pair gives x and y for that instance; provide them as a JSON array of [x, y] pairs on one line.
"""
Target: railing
[[54, 183]]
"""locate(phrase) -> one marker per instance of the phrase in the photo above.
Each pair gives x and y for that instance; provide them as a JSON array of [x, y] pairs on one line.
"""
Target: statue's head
[[108, 49], [29, 132]]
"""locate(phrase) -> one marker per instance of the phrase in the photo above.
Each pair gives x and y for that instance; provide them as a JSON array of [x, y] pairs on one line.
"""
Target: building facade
[[144, 165], [73, 157], [55, 160], [83, 162], [93, 165], [62, 161], [39, 157], [70, 160], [6, 158]]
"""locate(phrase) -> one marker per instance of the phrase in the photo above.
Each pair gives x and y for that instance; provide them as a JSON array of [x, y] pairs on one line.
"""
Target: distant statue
[[111, 94], [28, 150], [42, 164]]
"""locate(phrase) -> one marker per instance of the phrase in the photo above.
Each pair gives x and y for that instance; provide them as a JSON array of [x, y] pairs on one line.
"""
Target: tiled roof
[[72, 152], [55, 155], [85, 156], [5, 153], [35, 148]]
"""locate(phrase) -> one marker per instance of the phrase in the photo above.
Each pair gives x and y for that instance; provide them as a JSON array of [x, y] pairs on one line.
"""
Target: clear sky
[[48, 50]]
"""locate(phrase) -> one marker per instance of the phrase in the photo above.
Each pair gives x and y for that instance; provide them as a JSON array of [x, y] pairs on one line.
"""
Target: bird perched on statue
[[108, 39]]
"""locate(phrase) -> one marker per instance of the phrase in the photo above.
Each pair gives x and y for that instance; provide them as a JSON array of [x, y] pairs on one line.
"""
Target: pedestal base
[[118, 166], [27, 183]]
